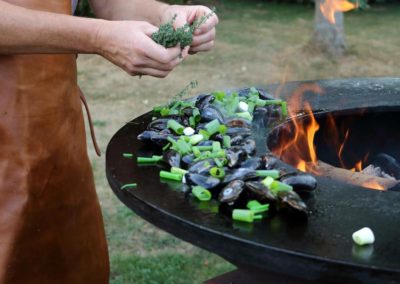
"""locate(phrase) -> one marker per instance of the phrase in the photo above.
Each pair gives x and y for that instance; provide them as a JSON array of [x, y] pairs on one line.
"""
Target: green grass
[[257, 43]]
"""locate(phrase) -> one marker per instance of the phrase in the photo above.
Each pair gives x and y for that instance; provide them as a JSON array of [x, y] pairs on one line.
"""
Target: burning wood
[[355, 178]]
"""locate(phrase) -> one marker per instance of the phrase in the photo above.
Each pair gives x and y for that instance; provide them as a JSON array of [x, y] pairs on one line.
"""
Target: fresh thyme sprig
[[168, 37]]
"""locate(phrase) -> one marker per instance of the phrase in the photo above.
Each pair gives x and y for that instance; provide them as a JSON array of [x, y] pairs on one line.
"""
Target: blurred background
[[258, 43]]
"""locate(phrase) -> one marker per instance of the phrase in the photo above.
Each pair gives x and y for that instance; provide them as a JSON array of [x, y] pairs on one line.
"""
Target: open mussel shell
[[243, 131], [259, 191], [292, 201], [172, 158], [238, 122], [205, 181], [238, 174], [269, 161], [301, 183], [188, 160], [231, 192]]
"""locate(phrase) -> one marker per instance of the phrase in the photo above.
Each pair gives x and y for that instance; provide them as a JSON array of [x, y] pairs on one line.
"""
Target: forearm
[[137, 10], [30, 31]]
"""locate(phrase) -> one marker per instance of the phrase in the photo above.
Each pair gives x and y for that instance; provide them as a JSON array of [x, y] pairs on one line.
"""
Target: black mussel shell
[[252, 163], [301, 183], [237, 140], [269, 161], [259, 191], [202, 167], [204, 100], [172, 158], [249, 146], [243, 131], [210, 113], [235, 156], [292, 201], [188, 159], [388, 164], [157, 138], [205, 143], [158, 124], [238, 174], [205, 181], [231, 192]]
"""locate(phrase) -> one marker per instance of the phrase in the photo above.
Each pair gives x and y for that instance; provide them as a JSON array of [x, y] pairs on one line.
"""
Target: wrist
[[98, 37]]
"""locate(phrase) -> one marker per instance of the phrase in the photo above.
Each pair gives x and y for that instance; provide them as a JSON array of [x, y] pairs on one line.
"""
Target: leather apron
[[51, 228]]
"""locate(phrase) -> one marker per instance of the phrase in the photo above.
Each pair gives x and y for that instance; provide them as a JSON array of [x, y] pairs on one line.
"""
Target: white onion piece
[[364, 236], [188, 131], [243, 106]]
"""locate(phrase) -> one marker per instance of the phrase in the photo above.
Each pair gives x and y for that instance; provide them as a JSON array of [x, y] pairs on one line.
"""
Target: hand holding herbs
[[187, 26], [206, 145], [128, 45]]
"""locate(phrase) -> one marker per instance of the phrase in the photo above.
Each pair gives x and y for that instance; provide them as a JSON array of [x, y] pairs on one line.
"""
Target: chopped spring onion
[[128, 186], [196, 115], [245, 215], [226, 141], [192, 122], [171, 176], [257, 207], [273, 102], [245, 115], [243, 106], [364, 236], [201, 193], [212, 127], [217, 172], [195, 139], [152, 159], [180, 171], [268, 173], [284, 109], [216, 146], [127, 155], [175, 126]]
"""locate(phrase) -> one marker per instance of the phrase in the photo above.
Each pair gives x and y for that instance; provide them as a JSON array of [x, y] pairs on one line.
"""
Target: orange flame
[[373, 185], [297, 145], [330, 7]]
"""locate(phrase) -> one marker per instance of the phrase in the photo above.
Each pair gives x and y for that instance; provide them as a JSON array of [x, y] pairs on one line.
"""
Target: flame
[[330, 7], [297, 146], [373, 185]]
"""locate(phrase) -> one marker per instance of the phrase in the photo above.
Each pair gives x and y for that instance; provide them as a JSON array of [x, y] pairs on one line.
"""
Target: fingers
[[203, 47], [203, 38], [208, 25]]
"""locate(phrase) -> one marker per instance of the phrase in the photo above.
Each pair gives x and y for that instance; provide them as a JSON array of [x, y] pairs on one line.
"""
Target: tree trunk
[[329, 37]]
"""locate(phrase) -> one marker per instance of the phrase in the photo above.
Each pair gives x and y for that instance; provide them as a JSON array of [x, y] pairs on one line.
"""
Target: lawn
[[258, 43]]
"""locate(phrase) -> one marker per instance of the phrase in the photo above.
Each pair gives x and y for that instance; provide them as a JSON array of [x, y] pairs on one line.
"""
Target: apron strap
[[89, 117]]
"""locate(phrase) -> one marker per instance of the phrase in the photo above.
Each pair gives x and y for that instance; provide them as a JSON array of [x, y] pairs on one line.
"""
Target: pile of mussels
[[230, 171]]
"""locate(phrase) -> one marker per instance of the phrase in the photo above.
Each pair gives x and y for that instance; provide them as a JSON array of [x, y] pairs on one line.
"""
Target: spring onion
[[212, 127], [201, 193], [245, 115], [188, 131], [226, 141], [171, 176], [243, 106], [180, 171], [217, 172], [257, 207], [128, 186], [127, 155], [175, 126], [273, 102], [245, 215], [152, 159], [192, 122], [216, 146], [284, 109], [195, 139], [268, 173], [364, 236], [196, 115]]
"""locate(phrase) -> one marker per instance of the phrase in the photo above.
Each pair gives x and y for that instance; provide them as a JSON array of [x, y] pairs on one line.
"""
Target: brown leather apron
[[51, 229]]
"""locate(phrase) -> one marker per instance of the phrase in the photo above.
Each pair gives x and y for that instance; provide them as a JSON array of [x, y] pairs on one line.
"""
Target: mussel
[[238, 122], [292, 201], [157, 138], [251, 163], [388, 164], [260, 192], [172, 158], [231, 192], [202, 167], [301, 183], [235, 156], [243, 131], [249, 146], [209, 113], [204, 100], [205, 181], [238, 174]]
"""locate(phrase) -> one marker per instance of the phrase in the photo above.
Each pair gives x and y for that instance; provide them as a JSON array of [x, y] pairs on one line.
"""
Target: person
[[51, 228]]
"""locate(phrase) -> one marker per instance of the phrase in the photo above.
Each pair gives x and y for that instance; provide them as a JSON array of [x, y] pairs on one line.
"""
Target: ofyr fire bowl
[[318, 248]]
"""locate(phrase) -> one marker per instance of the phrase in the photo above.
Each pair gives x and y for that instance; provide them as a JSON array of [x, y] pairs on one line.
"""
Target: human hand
[[204, 36], [128, 44]]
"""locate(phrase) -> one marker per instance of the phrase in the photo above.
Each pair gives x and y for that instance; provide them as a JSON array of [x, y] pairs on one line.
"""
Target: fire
[[373, 185], [330, 7], [297, 146]]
